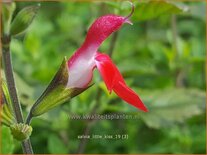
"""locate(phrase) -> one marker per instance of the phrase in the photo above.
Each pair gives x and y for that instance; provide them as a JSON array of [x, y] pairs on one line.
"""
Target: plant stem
[[11, 84], [179, 73], [113, 43], [26, 145], [174, 35], [29, 118]]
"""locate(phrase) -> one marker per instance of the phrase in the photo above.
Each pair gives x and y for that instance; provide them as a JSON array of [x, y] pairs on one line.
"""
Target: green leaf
[[7, 141], [55, 145], [152, 9], [131, 67], [7, 113], [171, 106], [198, 10], [23, 20], [6, 95], [25, 91]]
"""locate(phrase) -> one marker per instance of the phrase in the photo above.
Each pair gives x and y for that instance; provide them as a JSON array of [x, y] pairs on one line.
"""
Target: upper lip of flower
[[86, 58]]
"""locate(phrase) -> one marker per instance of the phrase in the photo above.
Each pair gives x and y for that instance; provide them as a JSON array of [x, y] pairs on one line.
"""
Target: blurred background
[[162, 57]]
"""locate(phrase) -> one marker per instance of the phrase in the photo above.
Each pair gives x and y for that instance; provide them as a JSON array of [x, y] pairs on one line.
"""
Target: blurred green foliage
[[162, 57]]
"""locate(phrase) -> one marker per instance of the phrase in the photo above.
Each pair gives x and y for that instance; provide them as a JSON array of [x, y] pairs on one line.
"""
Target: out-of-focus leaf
[[199, 10], [152, 9], [60, 121], [26, 92], [7, 141], [102, 85], [172, 106], [56, 145], [113, 4], [131, 67], [23, 20], [198, 59]]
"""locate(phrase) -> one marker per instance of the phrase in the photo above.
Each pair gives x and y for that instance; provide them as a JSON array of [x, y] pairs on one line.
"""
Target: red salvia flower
[[87, 57]]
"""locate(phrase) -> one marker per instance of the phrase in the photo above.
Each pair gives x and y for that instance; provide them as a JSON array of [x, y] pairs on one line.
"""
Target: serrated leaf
[[155, 8], [171, 106], [23, 20]]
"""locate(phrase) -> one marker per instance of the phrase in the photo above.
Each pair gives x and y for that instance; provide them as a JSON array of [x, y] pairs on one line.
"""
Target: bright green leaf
[[7, 141], [172, 106], [152, 9]]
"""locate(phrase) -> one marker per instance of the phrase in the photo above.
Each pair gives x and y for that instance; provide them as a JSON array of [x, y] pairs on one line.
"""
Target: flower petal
[[82, 62], [106, 70], [114, 81], [101, 29], [128, 95]]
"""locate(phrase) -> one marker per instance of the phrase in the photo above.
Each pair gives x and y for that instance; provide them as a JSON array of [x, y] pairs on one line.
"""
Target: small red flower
[[87, 57]]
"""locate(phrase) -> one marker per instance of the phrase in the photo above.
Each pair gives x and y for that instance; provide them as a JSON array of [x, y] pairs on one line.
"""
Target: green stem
[[26, 145], [29, 118], [113, 43], [179, 73]]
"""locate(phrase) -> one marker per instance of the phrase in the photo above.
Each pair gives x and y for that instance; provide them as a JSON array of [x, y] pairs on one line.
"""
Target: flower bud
[[23, 20], [21, 131], [56, 93], [7, 12]]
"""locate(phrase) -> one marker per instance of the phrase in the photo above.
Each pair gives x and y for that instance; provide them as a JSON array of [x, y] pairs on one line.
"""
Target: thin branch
[[179, 73], [8, 69], [113, 43], [174, 34], [27, 147], [10, 81]]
